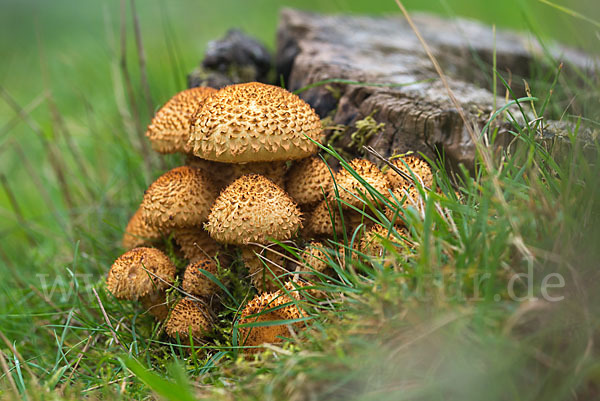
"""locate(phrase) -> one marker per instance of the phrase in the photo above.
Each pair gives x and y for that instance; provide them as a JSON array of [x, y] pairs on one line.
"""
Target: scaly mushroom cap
[[406, 195], [196, 244], [180, 198], [372, 243], [269, 277], [314, 257], [169, 130], [254, 122], [187, 314], [255, 336], [349, 188], [419, 167], [138, 232], [140, 272], [308, 180], [223, 174], [198, 284], [319, 221], [253, 209]]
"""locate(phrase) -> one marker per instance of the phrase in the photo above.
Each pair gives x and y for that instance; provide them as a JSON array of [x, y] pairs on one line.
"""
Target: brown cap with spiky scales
[[196, 282], [253, 209], [349, 187], [255, 336], [372, 243], [314, 257], [140, 272], [419, 167], [196, 244], [308, 180], [405, 196], [169, 130], [266, 267], [319, 221], [138, 232], [180, 198], [186, 315], [254, 122]]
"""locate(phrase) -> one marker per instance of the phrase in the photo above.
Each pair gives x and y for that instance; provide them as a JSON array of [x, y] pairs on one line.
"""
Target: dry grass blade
[[12, 349], [112, 330], [7, 374]]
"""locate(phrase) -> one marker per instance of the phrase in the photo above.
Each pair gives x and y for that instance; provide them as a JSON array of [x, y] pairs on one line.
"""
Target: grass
[[442, 324]]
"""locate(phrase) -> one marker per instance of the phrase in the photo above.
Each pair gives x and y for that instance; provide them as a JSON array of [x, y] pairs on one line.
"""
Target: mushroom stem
[[266, 268]]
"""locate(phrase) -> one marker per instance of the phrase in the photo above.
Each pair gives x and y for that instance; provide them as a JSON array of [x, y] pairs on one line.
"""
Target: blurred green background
[[60, 62]]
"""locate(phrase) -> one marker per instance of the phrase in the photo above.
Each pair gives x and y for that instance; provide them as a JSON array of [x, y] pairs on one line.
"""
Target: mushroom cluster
[[252, 181]]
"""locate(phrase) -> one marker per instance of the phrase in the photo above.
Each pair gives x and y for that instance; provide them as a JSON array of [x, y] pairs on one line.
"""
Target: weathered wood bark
[[384, 50]]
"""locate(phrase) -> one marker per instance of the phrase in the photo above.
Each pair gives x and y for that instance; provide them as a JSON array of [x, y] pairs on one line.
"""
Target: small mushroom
[[139, 233], [196, 244], [405, 196], [420, 168], [308, 180], [267, 307], [170, 128], [188, 316], [349, 188], [254, 122], [195, 282], [253, 210], [372, 243], [180, 198], [142, 274]]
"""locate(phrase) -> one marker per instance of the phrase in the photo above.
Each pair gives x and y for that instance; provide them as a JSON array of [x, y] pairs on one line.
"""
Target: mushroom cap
[[349, 188], [196, 244], [169, 130], [253, 209], [185, 315], [406, 195], [308, 180], [179, 198], [138, 232], [254, 336], [156, 304], [372, 243], [319, 221], [196, 283], [254, 122], [314, 257], [419, 167], [269, 277], [140, 272], [223, 174]]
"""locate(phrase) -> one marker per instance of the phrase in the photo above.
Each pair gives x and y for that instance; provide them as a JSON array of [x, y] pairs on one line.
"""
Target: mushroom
[[349, 188], [253, 209], [180, 198], [170, 128], [188, 316], [195, 282], [314, 257], [138, 232], [419, 167], [267, 307], [196, 244], [224, 174], [374, 240], [320, 222], [141, 273], [254, 122], [308, 180], [406, 195]]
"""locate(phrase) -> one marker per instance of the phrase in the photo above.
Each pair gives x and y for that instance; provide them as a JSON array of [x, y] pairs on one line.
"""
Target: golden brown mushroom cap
[[180, 198], [406, 195], [319, 221], [188, 314], [196, 244], [254, 122], [138, 232], [254, 336], [267, 271], [308, 180], [314, 256], [419, 167], [169, 130], [349, 187], [253, 209], [372, 243], [140, 272], [198, 284], [223, 174]]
